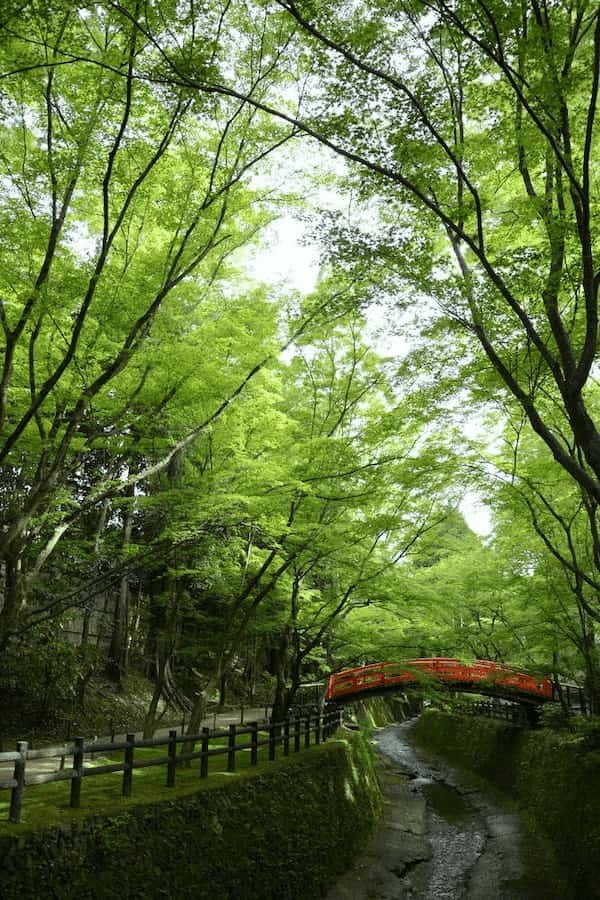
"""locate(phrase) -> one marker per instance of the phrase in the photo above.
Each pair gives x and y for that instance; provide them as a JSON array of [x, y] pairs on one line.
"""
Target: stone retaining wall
[[554, 777], [287, 831]]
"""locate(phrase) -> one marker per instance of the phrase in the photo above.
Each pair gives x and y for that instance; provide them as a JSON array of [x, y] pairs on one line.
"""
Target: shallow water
[[446, 835]]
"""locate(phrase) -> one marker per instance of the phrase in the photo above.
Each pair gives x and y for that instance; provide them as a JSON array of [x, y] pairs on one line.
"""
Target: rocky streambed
[[446, 834]]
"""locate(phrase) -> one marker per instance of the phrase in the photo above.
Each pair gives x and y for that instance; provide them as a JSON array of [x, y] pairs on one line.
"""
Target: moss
[[558, 780], [284, 830], [376, 712], [554, 778]]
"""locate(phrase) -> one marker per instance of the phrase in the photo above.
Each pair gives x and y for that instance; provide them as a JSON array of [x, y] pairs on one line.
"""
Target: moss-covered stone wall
[[378, 711], [285, 832], [555, 779]]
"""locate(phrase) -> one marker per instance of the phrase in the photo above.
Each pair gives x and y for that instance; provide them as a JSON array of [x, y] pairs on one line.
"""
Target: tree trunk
[[118, 654], [161, 643], [87, 615], [592, 668], [159, 683], [223, 690], [13, 598], [82, 683], [102, 625], [198, 712], [281, 701], [293, 686], [85, 627], [250, 673]]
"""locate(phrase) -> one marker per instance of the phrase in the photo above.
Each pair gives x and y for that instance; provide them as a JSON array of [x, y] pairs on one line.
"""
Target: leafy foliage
[[179, 494]]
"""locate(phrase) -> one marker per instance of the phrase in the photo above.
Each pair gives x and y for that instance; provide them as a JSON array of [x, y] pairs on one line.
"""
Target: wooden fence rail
[[510, 712], [285, 734]]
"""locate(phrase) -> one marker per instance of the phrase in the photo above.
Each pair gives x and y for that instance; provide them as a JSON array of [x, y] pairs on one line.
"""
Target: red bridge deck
[[481, 675]]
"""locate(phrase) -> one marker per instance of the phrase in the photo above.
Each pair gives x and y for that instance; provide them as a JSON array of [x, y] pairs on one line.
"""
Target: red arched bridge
[[480, 676]]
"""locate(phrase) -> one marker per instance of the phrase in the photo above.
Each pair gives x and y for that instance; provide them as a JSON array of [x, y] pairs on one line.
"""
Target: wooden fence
[[294, 733], [510, 712]]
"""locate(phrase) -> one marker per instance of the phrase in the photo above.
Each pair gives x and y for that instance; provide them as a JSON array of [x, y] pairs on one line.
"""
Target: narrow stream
[[445, 835]]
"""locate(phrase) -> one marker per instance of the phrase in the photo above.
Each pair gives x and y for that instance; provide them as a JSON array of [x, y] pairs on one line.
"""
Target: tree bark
[[13, 597], [159, 683], [118, 656]]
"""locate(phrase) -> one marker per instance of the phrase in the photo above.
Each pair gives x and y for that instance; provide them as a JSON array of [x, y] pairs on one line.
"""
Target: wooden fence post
[[318, 729], [307, 730], [231, 748], [272, 741], [297, 721], [254, 742], [286, 737], [16, 796], [77, 773], [204, 757], [172, 753], [128, 770]]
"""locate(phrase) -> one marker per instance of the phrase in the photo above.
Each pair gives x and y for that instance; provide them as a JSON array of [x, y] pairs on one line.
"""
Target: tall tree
[[476, 127], [120, 198], [540, 502]]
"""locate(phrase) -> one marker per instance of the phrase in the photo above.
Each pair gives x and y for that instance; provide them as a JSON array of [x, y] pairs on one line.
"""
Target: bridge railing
[[411, 671]]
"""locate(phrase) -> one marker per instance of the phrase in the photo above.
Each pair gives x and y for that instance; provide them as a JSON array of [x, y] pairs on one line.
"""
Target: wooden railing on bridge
[[294, 733], [482, 674]]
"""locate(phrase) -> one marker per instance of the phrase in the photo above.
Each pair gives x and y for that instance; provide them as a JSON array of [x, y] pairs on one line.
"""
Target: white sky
[[284, 258]]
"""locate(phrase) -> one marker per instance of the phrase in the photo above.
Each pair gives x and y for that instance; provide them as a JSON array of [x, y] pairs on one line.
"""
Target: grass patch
[[47, 805]]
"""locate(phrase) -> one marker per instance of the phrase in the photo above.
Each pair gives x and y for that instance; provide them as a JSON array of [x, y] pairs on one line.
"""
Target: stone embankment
[[286, 829], [553, 778]]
